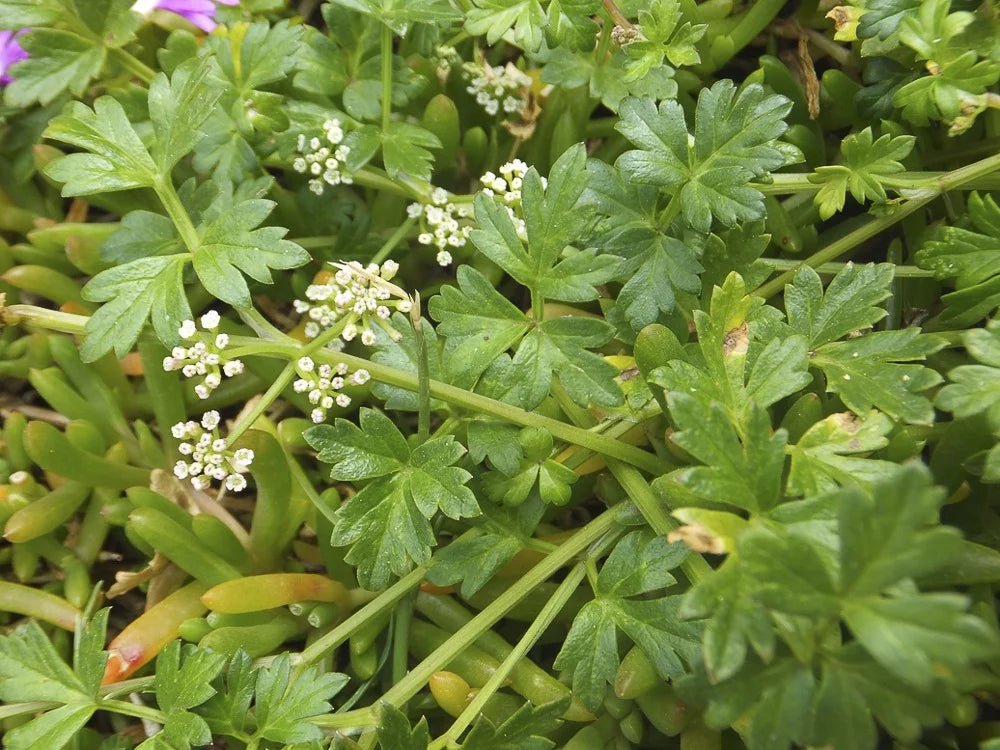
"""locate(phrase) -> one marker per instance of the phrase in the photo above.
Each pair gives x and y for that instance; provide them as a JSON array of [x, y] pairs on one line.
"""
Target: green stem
[[930, 189], [752, 23], [845, 244], [394, 239], [131, 709], [901, 271], [401, 637], [134, 65], [178, 214], [541, 623], [410, 685], [386, 41], [669, 213], [288, 348], [321, 646], [423, 375], [248, 418]]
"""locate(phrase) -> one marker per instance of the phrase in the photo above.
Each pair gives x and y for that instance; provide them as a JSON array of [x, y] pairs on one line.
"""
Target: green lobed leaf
[[848, 306], [118, 160], [387, 522], [528, 728], [866, 373], [866, 160], [735, 141], [58, 61], [285, 702], [971, 257], [231, 247], [638, 564]]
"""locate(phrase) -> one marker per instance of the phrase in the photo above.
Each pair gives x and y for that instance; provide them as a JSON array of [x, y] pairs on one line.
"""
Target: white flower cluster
[[210, 456], [497, 87], [439, 222], [506, 189], [204, 357], [356, 296], [322, 385], [323, 161]]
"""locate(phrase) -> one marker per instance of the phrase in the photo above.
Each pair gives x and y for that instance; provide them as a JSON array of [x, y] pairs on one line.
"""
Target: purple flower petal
[[10, 52], [199, 12]]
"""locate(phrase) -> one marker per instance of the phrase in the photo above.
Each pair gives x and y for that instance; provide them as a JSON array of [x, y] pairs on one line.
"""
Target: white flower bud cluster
[[324, 161], [322, 385], [497, 87], [444, 59], [505, 188], [204, 356], [360, 296], [439, 223], [208, 456]]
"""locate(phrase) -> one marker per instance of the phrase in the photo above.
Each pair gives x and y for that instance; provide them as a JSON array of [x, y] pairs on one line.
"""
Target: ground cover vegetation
[[499, 374]]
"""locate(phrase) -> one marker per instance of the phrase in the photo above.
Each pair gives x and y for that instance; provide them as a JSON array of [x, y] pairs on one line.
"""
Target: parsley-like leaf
[[118, 160], [394, 732], [494, 18], [31, 670], [866, 160], [638, 565], [866, 373], [230, 244], [663, 36], [848, 306], [406, 150], [655, 265], [388, 521], [826, 456], [553, 223], [972, 258], [284, 704], [735, 141], [528, 728], [148, 287], [975, 389]]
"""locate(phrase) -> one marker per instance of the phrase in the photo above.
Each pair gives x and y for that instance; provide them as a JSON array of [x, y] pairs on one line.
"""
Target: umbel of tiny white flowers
[[439, 222], [209, 457], [322, 385], [497, 87], [356, 298], [324, 161], [204, 356], [505, 188]]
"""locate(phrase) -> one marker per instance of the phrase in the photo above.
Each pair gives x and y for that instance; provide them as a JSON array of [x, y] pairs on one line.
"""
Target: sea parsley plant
[[499, 374]]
